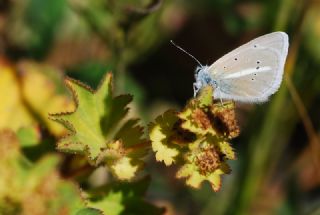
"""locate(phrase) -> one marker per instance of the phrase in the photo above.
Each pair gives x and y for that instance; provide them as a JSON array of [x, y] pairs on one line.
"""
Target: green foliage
[[196, 138], [89, 211], [98, 129], [127, 27], [34, 24], [123, 198], [32, 188], [160, 133], [28, 136], [86, 38], [42, 19]]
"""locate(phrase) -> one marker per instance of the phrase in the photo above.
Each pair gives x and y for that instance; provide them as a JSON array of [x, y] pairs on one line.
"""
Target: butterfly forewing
[[252, 72]]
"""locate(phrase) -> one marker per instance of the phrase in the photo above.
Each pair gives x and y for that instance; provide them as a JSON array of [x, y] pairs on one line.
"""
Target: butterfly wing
[[252, 72]]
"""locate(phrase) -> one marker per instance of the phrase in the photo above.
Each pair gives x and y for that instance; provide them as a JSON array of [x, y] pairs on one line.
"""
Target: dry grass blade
[[310, 130]]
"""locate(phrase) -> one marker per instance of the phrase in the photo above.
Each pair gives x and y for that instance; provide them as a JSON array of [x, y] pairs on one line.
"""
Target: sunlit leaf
[[160, 133], [197, 139], [98, 129], [13, 113], [43, 91], [28, 96]]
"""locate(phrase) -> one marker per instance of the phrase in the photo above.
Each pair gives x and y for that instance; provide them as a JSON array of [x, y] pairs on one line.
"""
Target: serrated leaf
[[195, 116], [123, 198], [203, 163], [215, 181], [130, 135], [160, 133], [124, 169], [196, 119], [98, 129], [203, 129], [195, 179], [110, 204], [97, 113], [227, 150]]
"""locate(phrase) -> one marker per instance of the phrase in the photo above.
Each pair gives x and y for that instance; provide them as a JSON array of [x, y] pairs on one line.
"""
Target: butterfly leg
[[195, 89], [220, 96]]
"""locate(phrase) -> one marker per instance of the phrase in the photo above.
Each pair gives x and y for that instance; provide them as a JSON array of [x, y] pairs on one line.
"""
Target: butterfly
[[250, 73]]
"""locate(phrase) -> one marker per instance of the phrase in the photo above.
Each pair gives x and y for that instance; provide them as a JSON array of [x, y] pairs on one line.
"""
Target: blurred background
[[278, 150]]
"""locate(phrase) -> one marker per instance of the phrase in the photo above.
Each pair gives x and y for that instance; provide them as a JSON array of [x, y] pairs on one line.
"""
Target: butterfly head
[[203, 78]]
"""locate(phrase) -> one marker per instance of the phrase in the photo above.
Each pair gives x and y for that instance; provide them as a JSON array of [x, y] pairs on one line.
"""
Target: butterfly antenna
[[193, 57]]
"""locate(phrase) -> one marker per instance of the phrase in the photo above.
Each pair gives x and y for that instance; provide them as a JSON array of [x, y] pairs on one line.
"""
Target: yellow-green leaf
[[98, 129], [13, 113], [124, 169], [123, 198], [33, 188], [160, 133], [196, 139]]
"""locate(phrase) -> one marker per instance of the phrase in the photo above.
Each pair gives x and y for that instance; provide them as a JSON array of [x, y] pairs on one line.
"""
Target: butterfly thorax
[[203, 78]]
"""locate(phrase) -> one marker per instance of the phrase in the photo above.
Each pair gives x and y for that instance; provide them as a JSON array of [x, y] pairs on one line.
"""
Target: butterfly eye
[[258, 62], [257, 67]]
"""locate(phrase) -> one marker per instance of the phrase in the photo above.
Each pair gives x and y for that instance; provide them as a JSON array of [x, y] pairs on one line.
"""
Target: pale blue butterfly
[[250, 73]]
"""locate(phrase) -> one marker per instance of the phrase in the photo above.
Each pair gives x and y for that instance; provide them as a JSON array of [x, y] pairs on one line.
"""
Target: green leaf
[[43, 92], [99, 130], [36, 187], [27, 98], [160, 133], [195, 116], [28, 136], [96, 114], [13, 112], [89, 211], [42, 18], [123, 198], [124, 169], [196, 139], [203, 163], [227, 150]]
